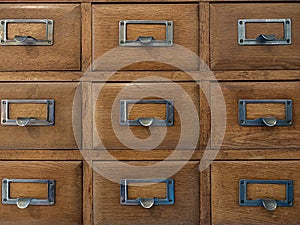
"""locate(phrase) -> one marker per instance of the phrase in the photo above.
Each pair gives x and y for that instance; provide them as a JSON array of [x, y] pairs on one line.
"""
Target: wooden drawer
[[106, 195], [62, 54], [228, 178], [121, 123], [228, 54], [55, 130], [66, 193], [245, 128], [106, 18]]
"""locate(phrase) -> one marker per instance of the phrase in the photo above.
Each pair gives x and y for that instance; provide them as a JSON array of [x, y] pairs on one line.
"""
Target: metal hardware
[[169, 121], [268, 204], [22, 202], [21, 121], [147, 203], [26, 40], [265, 39], [266, 121], [145, 40]]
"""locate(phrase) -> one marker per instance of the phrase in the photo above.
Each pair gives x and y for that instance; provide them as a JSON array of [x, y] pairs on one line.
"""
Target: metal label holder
[[26, 40], [265, 39], [145, 41]]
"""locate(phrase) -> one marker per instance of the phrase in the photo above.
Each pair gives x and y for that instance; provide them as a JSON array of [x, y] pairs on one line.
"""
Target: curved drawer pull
[[266, 37], [146, 122], [25, 39], [269, 121], [147, 203], [145, 39], [22, 202], [269, 204]]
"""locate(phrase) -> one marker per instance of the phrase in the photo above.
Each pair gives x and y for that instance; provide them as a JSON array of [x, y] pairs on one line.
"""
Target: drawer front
[[28, 122], [106, 18], [66, 192], [259, 115], [106, 195], [231, 50], [276, 181], [29, 44], [121, 121]]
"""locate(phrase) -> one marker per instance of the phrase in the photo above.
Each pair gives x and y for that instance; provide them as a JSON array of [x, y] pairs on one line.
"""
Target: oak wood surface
[[68, 193], [64, 54], [225, 192], [184, 211], [58, 136], [106, 19], [253, 137], [107, 113], [225, 52]]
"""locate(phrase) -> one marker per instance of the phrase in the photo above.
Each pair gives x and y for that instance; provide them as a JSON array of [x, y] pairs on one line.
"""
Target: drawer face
[[225, 183], [246, 136], [185, 210], [63, 54], [227, 54], [106, 18], [120, 123], [67, 208], [58, 134]]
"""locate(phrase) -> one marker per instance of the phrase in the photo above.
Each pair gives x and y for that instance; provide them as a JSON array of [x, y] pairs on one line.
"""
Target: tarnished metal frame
[[5, 41], [287, 40], [49, 121], [169, 121], [289, 187], [154, 43], [258, 122], [6, 200], [169, 200]]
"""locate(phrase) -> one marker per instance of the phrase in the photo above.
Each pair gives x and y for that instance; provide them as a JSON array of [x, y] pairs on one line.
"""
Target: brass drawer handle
[[26, 40], [268, 204], [145, 40], [265, 39], [25, 121], [146, 122], [147, 203], [266, 121], [22, 202]]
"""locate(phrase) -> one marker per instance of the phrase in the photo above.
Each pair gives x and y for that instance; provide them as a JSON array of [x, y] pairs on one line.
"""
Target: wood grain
[[253, 137], [65, 52], [68, 197], [106, 19], [109, 99], [226, 54], [204, 34], [86, 31], [184, 211], [41, 137], [38, 111], [225, 192]]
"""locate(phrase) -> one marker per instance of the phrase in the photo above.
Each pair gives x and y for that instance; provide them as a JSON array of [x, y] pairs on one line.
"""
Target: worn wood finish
[[106, 19], [204, 34], [225, 192], [253, 137], [41, 137], [107, 196], [87, 193], [107, 116], [68, 196], [226, 54], [38, 111], [86, 31], [205, 202], [65, 52]]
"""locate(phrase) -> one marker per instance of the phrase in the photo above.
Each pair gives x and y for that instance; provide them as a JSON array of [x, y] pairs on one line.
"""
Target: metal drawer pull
[[265, 39], [22, 202], [145, 40], [266, 121], [268, 204], [146, 122], [22, 121], [147, 203], [26, 40]]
